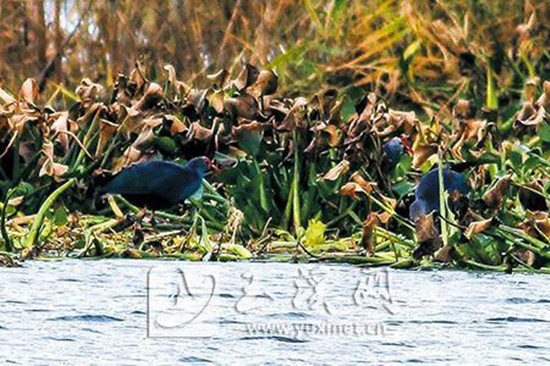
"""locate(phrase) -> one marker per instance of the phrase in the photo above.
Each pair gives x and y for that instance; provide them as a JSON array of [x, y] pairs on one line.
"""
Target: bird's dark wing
[[428, 188], [185, 185], [151, 177]]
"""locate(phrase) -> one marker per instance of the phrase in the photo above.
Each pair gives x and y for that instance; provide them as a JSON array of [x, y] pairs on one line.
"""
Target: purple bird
[[393, 150], [157, 184], [427, 191]]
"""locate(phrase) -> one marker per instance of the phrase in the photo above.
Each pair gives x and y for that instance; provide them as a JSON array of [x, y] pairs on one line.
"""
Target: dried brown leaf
[[248, 76], [29, 90], [337, 171], [245, 106], [176, 125], [152, 96], [199, 132], [106, 130], [493, 197], [352, 190], [365, 185], [477, 227]]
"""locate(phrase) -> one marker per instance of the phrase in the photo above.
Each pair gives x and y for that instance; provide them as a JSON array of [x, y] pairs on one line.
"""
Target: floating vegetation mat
[[301, 179]]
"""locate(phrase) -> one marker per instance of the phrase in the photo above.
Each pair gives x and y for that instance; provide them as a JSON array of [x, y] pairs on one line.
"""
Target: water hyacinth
[[290, 166]]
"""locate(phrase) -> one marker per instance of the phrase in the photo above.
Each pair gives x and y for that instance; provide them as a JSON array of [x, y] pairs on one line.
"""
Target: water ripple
[[88, 318], [276, 338], [193, 359], [514, 319]]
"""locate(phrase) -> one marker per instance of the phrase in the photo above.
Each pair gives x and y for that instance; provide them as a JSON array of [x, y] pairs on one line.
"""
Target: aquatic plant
[[305, 177]]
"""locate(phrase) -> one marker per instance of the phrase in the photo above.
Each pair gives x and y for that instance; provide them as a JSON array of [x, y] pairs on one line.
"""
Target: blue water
[[102, 312]]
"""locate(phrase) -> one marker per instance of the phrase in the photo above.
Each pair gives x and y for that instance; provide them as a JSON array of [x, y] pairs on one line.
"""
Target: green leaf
[[239, 251], [403, 188], [315, 233], [492, 98], [516, 158], [166, 144], [348, 108], [544, 132], [204, 242], [60, 216]]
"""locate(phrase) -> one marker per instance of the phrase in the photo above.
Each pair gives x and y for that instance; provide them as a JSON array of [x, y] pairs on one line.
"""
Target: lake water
[[158, 312]]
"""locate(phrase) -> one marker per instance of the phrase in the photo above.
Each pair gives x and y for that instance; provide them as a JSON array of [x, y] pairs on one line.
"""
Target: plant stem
[[32, 238]]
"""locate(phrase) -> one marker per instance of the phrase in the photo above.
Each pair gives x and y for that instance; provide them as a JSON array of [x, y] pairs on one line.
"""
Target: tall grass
[[428, 53]]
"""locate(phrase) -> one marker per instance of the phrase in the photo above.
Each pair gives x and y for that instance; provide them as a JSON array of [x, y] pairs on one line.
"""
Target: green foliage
[[315, 233]]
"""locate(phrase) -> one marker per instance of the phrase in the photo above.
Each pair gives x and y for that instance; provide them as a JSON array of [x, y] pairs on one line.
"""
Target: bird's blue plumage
[[393, 150], [158, 184], [427, 191]]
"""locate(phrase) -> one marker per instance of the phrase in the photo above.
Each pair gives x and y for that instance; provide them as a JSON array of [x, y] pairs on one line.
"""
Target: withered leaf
[[171, 72], [477, 227], [367, 237], [294, 117], [543, 101], [366, 186], [244, 106], [352, 190], [216, 101], [463, 109], [493, 197], [53, 169], [61, 126], [425, 229], [106, 130], [444, 254], [199, 132], [267, 82], [145, 139], [153, 122], [537, 225], [49, 167], [248, 76], [152, 96], [176, 125], [29, 90], [422, 152], [427, 236], [89, 90], [337, 171], [331, 132], [219, 78], [6, 97], [249, 136], [531, 88]]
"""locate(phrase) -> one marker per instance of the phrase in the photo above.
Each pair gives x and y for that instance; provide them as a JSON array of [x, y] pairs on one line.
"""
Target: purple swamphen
[[427, 191], [393, 150], [157, 184]]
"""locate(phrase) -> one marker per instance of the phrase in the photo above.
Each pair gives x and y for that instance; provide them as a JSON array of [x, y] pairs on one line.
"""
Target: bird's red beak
[[406, 144], [212, 165]]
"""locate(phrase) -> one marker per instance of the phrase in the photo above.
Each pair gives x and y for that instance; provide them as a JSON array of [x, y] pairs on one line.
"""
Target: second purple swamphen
[[427, 191], [393, 150], [157, 184]]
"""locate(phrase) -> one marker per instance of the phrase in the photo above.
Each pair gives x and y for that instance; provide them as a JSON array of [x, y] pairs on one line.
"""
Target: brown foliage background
[[414, 50]]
